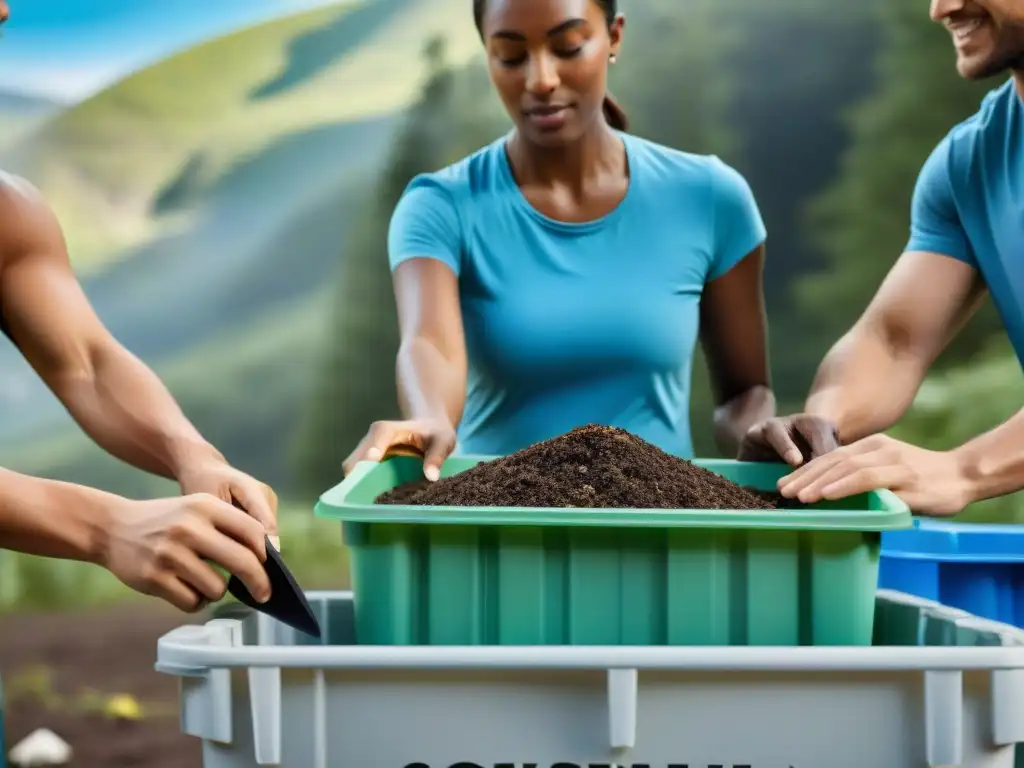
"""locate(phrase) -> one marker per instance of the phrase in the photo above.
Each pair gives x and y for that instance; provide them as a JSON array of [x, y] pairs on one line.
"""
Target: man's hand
[[793, 439], [218, 478], [161, 548], [929, 482]]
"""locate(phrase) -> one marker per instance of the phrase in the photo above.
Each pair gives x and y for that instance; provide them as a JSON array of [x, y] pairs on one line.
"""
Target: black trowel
[[287, 601]]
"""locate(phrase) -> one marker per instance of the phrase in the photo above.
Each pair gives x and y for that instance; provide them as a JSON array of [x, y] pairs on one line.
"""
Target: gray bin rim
[[193, 650]]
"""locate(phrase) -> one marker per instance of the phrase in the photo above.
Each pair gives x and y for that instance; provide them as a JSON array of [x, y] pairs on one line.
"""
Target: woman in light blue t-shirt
[[561, 275]]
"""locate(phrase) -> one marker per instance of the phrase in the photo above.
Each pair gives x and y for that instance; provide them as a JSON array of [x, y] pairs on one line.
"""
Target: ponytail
[[614, 114]]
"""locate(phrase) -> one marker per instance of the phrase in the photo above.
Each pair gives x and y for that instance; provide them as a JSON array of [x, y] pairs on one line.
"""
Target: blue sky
[[68, 49]]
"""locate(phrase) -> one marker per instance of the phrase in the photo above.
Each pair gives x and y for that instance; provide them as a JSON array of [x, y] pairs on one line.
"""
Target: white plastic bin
[[938, 688]]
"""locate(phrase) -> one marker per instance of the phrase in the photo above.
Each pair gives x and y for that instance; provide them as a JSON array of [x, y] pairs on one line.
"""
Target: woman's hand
[[794, 439], [432, 439]]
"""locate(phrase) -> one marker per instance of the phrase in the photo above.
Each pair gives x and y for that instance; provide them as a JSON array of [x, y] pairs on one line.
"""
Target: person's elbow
[[892, 341], [81, 368], [419, 347]]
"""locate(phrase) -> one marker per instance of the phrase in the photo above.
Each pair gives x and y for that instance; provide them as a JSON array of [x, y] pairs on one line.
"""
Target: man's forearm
[[127, 410], [864, 385], [993, 463], [53, 519]]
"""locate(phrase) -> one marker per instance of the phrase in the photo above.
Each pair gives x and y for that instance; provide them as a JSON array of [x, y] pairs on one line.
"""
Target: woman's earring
[[613, 58]]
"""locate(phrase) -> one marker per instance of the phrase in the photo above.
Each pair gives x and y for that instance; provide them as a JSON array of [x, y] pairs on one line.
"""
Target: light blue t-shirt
[[969, 202], [574, 323]]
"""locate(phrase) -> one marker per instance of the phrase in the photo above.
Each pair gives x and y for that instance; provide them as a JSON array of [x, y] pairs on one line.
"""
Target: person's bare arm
[[871, 376], [53, 519], [993, 463], [734, 338], [431, 364], [870, 379], [160, 547], [431, 369], [116, 399]]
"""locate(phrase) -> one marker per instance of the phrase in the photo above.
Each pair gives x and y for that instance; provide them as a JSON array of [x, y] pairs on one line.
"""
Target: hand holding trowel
[[287, 601]]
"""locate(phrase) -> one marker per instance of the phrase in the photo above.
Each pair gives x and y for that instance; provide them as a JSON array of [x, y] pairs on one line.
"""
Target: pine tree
[[454, 115], [862, 222], [357, 383]]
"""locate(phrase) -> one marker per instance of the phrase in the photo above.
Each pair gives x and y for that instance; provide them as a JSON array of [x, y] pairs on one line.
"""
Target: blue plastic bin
[[976, 568]]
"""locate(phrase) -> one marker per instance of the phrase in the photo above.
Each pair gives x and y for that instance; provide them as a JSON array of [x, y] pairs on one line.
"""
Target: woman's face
[[549, 61]]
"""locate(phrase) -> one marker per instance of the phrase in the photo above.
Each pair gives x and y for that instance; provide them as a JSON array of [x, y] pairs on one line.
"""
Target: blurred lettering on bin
[[465, 764]]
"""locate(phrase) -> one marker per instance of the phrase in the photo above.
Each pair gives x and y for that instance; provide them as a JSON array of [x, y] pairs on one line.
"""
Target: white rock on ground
[[42, 747]]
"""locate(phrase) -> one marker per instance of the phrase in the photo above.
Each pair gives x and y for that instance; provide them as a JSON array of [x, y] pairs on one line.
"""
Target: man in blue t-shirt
[[967, 237]]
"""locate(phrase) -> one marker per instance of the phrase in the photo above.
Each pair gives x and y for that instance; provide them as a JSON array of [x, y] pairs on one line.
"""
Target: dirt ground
[[63, 672]]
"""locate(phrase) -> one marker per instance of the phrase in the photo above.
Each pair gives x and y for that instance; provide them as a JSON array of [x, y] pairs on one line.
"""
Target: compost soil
[[592, 467]]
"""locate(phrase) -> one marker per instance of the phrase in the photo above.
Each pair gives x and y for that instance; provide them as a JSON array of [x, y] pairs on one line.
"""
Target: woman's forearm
[[734, 418], [430, 386], [52, 518], [125, 408]]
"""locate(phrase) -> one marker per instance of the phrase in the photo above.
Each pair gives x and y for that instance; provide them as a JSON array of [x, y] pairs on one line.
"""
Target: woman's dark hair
[[613, 112]]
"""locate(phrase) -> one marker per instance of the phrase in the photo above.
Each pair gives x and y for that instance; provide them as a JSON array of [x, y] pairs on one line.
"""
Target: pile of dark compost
[[590, 467]]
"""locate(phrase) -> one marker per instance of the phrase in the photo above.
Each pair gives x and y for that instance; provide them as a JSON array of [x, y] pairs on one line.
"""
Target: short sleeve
[[739, 228], [425, 224], [935, 225]]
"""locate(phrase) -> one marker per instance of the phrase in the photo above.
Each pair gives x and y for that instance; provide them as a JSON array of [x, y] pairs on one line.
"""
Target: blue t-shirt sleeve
[[425, 224], [739, 227], [934, 222]]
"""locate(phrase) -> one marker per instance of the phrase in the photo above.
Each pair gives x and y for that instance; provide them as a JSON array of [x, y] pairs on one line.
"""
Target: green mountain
[[107, 164], [206, 200]]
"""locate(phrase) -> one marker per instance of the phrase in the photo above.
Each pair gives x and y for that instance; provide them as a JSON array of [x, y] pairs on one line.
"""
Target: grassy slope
[[103, 163]]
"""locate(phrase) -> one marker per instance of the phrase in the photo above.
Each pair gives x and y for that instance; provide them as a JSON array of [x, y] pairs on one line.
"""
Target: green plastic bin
[[539, 576]]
